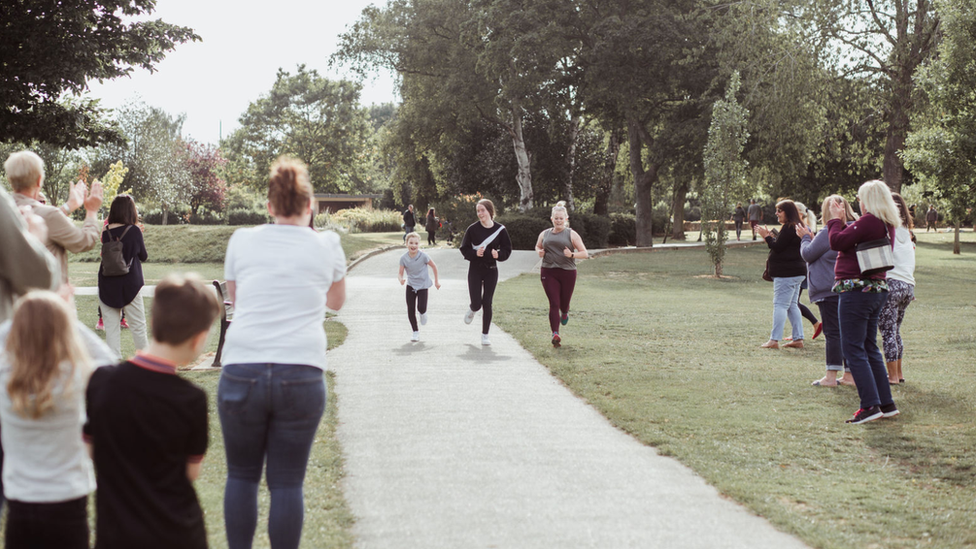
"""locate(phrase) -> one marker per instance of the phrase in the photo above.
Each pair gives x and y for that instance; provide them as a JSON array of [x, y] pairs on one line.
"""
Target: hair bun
[[561, 204]]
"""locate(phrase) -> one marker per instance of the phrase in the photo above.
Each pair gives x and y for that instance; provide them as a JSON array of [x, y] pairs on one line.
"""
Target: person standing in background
[[739, 215], [931, 219], [755, 216], [409, 222]]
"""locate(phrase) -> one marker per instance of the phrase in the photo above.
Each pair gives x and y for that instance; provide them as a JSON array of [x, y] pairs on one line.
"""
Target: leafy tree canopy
[[51, 50]]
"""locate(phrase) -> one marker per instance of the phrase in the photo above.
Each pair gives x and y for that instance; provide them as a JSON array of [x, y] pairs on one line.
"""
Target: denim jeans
[[786, 292], [831, 331], [268, 412], [859, 313]]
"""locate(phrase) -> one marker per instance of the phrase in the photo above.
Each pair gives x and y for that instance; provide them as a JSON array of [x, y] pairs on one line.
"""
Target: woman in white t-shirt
[[901, 292], [47, 475], [271, 395]]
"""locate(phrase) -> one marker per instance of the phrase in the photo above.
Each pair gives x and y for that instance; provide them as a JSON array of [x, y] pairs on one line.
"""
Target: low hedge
[[247, 216], [523, 229], [623, 229]]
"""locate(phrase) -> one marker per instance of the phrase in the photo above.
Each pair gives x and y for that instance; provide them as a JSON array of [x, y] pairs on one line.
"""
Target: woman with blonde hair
[[901, 292], [559, 248], [863, 295], [271, 394], [47, 473], [820, 259]]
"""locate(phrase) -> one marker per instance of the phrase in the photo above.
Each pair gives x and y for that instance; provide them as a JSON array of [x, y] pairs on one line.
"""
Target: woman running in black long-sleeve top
[[484, 244]]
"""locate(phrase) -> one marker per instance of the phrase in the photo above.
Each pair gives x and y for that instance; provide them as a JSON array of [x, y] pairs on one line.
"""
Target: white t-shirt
[[45, 459], [282, 273], [904, 256], [418, 276]]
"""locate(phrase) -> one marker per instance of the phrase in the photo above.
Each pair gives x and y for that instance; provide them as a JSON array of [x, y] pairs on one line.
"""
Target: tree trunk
[[678, 211], [956, 249], [165, 213], [574, 131], [605, 186], [898, 123], [643, 181], [524, 177]]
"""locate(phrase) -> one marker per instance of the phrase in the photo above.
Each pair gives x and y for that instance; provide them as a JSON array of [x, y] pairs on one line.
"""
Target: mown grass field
[[671, 356]]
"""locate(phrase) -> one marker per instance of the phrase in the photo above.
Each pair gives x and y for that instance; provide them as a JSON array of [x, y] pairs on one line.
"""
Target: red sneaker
[[124, 324], [99, 325], [817, 330]]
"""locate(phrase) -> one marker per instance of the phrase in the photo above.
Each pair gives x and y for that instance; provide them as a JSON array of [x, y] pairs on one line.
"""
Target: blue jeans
[[268, 411], [859, 313], [786, 292]]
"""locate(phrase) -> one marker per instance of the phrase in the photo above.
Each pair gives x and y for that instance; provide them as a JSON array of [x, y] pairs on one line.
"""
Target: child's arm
[[400, 276], [433, 267], [193, 469]]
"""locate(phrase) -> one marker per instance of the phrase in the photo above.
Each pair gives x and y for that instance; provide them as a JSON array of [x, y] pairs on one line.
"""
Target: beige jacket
[[24, 263], [62, 234]]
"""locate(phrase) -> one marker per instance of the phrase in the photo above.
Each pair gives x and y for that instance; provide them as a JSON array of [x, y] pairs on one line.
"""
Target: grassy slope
[[673, 358]]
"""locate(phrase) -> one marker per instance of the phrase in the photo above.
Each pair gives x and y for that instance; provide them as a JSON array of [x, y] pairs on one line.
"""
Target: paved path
[[448, 444]]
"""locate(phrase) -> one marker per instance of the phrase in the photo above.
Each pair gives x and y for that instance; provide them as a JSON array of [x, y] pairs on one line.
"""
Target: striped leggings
[[900, 296]]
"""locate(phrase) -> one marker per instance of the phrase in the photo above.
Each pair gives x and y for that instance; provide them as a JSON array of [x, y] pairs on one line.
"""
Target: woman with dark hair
[[901, 292], [738, 216], [484, 244], [863, 295], [788, 271], [431, 224], [271, 394], [121, 293]]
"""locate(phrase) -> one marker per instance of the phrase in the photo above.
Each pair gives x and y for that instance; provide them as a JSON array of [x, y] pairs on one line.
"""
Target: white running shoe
[[484, 340], [423, 319], [468, 316], [415, 337]]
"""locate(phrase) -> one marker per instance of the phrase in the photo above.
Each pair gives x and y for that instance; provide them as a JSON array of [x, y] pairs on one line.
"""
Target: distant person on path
[[820, 259], [932, 219], [901, 293], [414, 263], [147, 427], [431, 224], [43, 373], [25, 172], [862, 296], [739, 215], [788, 271], [409, 221], [559, 248], [485, 243], [755, 216], [24, 262], [122, 293], [271, 395]]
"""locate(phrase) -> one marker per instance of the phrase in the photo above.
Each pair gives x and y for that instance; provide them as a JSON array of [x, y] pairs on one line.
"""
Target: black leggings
[[62, 525], [806, 312], [416, 301], [481, 287]]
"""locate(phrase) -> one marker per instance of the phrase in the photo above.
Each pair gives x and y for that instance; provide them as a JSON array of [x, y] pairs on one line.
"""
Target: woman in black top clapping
[[788, 270], [484, 243]]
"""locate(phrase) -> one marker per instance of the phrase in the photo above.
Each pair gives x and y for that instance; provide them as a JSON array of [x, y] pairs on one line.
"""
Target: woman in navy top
[[121, 293]]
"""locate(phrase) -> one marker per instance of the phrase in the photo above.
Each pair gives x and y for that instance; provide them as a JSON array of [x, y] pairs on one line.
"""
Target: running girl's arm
[[538, 245], [433, 267], [400, 276], [580, 252]]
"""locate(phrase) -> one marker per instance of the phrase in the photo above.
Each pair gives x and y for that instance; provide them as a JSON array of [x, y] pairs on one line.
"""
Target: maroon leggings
[[559, 285]]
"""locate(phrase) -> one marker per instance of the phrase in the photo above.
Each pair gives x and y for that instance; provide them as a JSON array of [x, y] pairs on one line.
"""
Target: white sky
[[244, 43]]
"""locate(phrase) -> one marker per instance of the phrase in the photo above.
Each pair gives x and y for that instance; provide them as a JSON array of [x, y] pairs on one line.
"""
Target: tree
[[207, 188], [308, 116], [51, 50], [725, 169], [887, 41], [942, 147]]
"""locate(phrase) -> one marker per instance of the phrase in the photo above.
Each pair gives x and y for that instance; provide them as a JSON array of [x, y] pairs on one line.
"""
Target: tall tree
[[207, 188], [886, 40], [308, 116], [725, 169], [51, 50], [942, 147]]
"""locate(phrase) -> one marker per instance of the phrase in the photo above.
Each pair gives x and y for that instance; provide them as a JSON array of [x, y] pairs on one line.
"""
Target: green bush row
[[524, 228]]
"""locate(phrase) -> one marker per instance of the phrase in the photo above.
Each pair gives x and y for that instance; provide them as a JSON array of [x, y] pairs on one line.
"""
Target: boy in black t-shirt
[[147, 429]]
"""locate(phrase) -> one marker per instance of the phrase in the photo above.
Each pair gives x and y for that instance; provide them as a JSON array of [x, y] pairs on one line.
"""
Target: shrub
[[523, 229], [461, 210], [205, 217], [596, 229], [247, 216], [177, 216], [369, 221], [623, 229]]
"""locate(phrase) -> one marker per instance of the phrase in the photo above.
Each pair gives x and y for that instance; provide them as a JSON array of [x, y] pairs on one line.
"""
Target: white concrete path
[[449, 444]]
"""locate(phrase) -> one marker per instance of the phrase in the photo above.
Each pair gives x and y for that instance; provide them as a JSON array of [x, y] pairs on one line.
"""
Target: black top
[[476, 233], [739, 214], [431, 223], [408, 219], [145, 424], [119, 291], [784, 254]]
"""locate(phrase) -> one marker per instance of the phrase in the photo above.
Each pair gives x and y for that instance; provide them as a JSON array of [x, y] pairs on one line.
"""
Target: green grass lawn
[[671, 356]]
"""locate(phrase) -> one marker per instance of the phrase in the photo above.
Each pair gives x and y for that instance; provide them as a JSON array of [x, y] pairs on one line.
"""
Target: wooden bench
[[226, 316]]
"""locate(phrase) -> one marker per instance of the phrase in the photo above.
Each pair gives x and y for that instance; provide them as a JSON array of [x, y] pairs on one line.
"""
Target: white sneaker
[[415, 337], [484, 340], [468, 316], [423, 319]]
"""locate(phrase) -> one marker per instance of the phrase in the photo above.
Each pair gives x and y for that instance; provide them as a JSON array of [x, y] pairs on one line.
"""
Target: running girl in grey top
[[414, 263]]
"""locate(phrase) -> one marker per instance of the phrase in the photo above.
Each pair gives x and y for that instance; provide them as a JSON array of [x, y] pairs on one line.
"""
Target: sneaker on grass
[[865, 415], [124, 324], [423, 319], [889, 410], [484, 340], [565, 319], [556, 340], [468, 316], [100, 325], [415, 336]]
